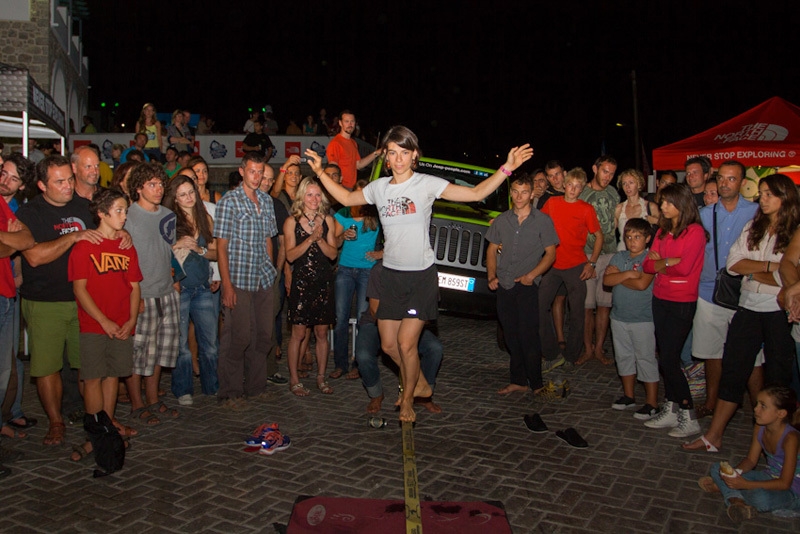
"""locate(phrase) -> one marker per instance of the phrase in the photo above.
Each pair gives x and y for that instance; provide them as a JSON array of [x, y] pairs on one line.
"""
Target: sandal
[[299, 390], [337, 373], [353, 374], [55, 434], [323, 385], [28, 422], [81, 451], [708, 485], [161, 409], [146, 416], [126, 431]]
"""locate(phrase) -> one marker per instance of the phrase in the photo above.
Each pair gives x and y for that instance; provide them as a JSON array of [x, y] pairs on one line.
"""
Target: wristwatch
[[593, 264]]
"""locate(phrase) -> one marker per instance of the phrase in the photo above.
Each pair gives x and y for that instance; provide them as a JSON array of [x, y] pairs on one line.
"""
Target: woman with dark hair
[[759, 320], [356, 231], [287, 181], [200, 168], [121, 173], [676, 258], [311, 249], [195, 248], [410, 283]]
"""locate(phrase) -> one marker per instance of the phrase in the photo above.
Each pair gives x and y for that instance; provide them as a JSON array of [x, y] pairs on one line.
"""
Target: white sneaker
[[666, 418], [687, 425], [185, 400]]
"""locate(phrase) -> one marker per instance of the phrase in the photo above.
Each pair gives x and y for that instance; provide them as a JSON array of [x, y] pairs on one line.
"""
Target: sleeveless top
[[152, 133], [775, 461], [623, 218]]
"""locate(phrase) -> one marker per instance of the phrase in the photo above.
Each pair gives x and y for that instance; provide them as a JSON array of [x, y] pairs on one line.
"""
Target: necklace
[[311, 220]]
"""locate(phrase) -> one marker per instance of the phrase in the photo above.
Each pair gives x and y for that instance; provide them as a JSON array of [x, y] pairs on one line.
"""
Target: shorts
[[409, 294], [52, 327], [635, 350], [157, 338], [103, 357], [709, 330], [595, 294]]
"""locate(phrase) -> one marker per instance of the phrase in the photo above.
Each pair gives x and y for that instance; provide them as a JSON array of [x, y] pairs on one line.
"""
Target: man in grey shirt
[[528, 240]]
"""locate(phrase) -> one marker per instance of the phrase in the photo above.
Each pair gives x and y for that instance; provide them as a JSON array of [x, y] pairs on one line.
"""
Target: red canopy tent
[[767, 135]]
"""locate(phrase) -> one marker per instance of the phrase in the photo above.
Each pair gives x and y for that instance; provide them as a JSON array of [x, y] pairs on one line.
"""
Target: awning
[[26, 110]]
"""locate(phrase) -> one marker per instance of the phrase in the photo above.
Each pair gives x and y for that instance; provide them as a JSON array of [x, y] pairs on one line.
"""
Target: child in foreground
[[105, 280], [632, 320], [777, 487]]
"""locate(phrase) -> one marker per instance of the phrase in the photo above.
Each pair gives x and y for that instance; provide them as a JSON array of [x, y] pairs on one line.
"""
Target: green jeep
[[457, 236]]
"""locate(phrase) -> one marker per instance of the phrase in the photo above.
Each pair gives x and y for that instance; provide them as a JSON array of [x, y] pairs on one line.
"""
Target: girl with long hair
[[409, 279], [200, 168], [759, 320], [194, 249], [149, 125], [311, 249], [676, 258]]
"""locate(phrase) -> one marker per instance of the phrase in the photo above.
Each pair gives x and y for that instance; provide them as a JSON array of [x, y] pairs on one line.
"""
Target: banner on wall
[[217, 150]]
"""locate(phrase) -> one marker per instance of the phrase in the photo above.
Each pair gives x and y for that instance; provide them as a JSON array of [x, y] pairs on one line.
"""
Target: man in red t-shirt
[[574, 220], [343, 150]]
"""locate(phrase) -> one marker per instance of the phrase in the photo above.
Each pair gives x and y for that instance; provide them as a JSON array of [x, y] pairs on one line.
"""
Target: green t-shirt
[[605, 204]]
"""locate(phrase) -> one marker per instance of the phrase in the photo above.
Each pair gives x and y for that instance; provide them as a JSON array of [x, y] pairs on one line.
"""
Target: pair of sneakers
[[644, 413], [269, 437], [682, 422]]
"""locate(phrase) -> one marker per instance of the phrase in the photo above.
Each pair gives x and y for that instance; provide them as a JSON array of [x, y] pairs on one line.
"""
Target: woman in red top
[[676, 258]]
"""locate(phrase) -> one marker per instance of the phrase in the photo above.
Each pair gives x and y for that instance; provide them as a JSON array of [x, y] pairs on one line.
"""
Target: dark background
[[470, 78]]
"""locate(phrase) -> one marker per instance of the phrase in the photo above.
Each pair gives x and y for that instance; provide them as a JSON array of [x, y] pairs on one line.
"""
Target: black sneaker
[[535, 424], [645, 413], [624, 403], [278, 379]]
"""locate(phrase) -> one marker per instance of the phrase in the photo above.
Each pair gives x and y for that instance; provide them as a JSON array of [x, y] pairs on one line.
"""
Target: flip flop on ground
[[145, 416]]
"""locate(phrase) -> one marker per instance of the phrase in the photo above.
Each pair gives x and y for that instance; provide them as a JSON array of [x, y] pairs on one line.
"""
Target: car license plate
[[459, 283]]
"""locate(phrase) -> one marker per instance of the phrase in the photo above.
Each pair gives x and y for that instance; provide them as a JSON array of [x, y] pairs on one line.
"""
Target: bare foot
[[374, 405], [511, 388], [602, 358], [428, 404], [585, 357], [423, 389], [407, 413]]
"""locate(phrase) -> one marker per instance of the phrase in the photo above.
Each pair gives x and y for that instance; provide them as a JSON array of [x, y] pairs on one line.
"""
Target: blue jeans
[[197, 304], [7, 352], [349, 280], [368, 347], [761, 499]]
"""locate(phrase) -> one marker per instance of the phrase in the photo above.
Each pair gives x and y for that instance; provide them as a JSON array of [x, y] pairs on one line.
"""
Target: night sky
[[469, 78]]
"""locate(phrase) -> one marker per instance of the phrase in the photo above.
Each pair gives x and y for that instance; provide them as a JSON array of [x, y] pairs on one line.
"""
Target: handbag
[[727, 287]]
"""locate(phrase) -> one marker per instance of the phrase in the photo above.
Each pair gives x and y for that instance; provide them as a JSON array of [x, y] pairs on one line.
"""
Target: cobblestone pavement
[[193, 475]]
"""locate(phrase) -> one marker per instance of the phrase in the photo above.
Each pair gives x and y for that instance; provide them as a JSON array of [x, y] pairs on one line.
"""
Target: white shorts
[[709, 330]]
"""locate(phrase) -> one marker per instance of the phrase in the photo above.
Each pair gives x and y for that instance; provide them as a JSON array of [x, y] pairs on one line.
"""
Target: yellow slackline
[[410, 483]]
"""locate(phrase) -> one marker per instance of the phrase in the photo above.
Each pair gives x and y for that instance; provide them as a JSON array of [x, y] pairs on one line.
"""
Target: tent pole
[[25, 133]]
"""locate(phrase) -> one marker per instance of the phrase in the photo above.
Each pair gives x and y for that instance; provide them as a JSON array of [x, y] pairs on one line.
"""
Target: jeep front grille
[[458, 246]]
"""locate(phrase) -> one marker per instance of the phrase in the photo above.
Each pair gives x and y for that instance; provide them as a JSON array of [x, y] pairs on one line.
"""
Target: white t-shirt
[[405, 213]]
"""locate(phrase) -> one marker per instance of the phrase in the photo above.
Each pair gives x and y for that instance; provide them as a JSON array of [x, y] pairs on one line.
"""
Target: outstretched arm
[[342, 195], [459, 193]]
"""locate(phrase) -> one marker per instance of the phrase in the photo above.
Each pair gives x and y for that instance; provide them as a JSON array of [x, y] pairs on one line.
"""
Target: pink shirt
[[680, 282]]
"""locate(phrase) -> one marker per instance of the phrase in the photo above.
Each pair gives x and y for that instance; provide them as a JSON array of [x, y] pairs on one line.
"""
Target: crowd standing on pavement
[[569, 262]]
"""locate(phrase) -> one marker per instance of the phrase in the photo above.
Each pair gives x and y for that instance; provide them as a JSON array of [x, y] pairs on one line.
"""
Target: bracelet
[[666, 262], [203, 251], [750, 276], [505, 171], [283, 171]]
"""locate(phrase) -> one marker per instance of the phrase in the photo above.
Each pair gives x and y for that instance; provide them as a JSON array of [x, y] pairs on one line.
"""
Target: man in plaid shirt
[[245, 224]]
